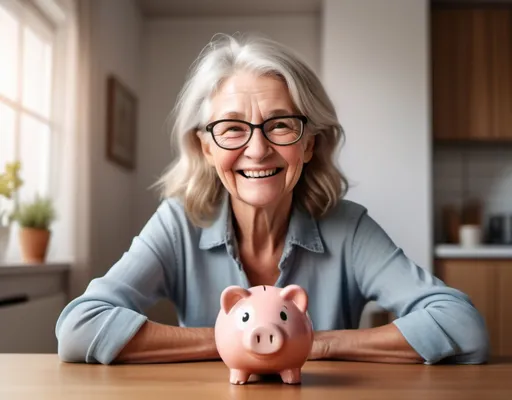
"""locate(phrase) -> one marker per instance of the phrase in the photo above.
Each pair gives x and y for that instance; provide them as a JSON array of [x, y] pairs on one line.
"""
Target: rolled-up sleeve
[[439, 322], [94, 327]]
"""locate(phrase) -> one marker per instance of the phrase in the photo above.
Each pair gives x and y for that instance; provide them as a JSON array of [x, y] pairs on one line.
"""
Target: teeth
[[260, 174]]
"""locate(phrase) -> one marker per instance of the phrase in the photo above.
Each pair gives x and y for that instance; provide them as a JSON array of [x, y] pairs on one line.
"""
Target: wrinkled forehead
[[234, 94]]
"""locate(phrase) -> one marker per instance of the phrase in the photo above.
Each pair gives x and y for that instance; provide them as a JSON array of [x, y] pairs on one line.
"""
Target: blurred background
[[423, 90]]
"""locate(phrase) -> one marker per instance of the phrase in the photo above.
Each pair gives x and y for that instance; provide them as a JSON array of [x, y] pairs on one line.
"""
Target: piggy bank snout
[[266, 339]]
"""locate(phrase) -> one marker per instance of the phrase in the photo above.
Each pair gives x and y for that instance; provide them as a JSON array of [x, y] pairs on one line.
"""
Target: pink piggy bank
[[264, 330]]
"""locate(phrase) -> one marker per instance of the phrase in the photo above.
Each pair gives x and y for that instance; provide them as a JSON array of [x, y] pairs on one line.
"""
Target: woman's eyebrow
[[278, 113], [238, 115], [232, 114]]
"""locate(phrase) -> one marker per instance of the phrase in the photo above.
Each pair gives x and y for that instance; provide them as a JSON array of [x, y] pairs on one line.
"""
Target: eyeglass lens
[[232, 134]]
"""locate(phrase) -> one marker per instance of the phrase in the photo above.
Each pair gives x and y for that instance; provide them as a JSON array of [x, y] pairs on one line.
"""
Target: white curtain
[[70, 242], [78, 160]]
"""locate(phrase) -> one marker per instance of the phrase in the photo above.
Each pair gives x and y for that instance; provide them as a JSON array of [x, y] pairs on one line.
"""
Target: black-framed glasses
[[232, 134]]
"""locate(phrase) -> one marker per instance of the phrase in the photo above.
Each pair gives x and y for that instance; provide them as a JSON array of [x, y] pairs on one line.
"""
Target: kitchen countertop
[[483, 251]]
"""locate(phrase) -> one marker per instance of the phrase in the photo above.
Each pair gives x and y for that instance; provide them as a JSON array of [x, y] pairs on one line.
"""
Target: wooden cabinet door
[[471, 53], [480, 76], [505, 308], [450, 54], [461, 74], [501, 58], [479, 280]]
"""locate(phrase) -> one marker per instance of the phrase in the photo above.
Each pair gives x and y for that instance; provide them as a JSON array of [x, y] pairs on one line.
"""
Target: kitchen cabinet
[[471, 55], [505, 309], [31, 300], [29, 327], [488, 283]]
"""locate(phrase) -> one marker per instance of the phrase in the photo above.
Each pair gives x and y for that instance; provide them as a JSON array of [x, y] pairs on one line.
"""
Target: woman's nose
[[258, 147]]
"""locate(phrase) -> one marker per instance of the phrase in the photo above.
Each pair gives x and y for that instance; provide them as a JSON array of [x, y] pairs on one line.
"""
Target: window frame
[[28, 15]]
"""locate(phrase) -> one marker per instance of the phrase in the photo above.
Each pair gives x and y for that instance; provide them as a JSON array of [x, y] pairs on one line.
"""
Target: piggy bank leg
[[238, 377], [291, 376]]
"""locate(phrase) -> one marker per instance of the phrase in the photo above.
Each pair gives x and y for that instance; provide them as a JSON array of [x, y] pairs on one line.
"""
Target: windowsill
[[16, 268]]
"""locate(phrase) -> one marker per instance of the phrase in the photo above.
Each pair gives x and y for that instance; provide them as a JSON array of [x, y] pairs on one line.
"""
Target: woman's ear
[[310, 146], [206, 144]]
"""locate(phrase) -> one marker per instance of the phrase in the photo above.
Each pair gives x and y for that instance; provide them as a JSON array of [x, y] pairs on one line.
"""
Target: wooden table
[[42, 377]]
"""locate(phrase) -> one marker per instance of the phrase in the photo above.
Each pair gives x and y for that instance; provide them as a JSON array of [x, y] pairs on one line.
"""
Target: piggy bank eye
[[283, 316], [244, 316]]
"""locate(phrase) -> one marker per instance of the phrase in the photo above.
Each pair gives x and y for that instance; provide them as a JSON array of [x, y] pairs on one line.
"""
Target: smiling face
[[260, 173]]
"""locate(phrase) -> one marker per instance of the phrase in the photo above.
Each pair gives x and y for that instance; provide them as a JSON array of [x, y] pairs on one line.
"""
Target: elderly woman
[[255, 198]]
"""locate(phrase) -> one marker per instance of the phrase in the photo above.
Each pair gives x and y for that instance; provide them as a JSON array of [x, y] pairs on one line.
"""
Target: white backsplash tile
[[483, 173]]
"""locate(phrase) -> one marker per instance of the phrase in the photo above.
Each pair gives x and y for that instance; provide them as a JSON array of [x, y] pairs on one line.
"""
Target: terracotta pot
[[34, 244]]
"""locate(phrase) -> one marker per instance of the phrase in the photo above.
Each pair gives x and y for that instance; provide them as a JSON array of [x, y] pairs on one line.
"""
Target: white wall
[[169, 48], [375, 67], [116, 48]]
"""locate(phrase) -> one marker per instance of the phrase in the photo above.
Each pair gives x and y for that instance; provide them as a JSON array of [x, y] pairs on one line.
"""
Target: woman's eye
[[280, 125], [229, 128], [283, 316], [245, 317]]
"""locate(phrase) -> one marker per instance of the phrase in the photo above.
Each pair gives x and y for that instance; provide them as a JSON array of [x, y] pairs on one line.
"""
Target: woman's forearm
[[156, 343], [382, 344]]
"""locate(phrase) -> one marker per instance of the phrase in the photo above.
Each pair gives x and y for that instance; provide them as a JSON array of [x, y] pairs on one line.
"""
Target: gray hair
[[190, 177]]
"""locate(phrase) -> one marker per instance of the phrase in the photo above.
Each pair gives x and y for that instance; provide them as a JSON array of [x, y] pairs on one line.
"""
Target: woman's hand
[[382, 344]]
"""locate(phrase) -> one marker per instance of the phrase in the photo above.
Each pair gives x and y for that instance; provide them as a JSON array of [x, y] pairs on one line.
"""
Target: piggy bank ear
[[231, 295], [296, 294]]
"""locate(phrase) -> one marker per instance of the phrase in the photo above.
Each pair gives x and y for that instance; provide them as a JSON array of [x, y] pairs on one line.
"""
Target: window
[[26, 94]]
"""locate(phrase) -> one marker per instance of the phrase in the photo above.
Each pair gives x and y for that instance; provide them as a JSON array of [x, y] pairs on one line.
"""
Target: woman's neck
[[261, 229]]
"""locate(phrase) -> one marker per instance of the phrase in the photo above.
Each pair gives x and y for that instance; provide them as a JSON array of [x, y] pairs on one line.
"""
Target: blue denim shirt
[[343, 260]]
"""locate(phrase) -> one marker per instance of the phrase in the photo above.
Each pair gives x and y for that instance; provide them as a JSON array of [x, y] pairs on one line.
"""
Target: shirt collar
[[302, 230], [221, 230]]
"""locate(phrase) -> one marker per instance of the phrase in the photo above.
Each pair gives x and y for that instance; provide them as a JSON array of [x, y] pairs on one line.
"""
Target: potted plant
[[34, 219], [10, 182]]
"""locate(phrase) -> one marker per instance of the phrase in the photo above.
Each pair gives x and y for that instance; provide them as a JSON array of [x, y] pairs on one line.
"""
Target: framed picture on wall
[[121, 123]]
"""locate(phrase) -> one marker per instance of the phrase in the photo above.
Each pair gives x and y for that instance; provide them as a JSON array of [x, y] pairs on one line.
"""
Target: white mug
[[470, 235]]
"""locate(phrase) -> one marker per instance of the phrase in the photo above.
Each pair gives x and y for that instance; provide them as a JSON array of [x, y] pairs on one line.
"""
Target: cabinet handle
[[16, 299]]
